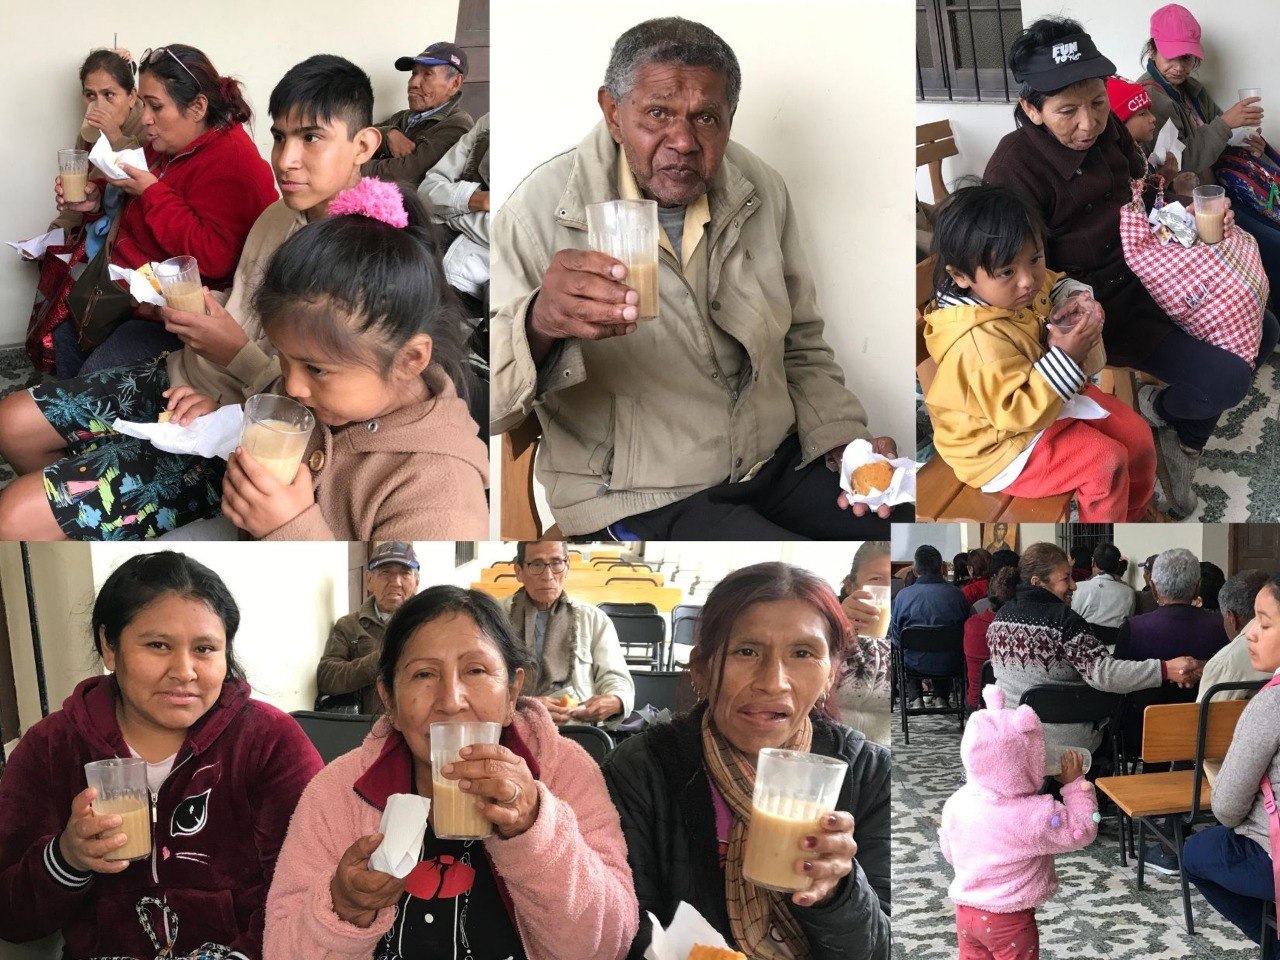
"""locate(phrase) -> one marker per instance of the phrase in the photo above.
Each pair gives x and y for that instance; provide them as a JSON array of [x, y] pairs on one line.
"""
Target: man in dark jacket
[[414, 140], [350, 662], [930, 602]]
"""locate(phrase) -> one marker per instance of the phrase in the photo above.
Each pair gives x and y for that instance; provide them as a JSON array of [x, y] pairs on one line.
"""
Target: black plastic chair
[[685, 618], [1268, 938], [658, 688], [627, 609], [988, 674], [1106, 636], [595, 741], [333, 734], [949, 640], [643, 637], [1080, 703]]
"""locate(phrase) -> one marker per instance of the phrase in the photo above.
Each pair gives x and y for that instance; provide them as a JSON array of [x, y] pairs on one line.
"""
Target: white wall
[[833, 116], [42, 49], [1235, 56]]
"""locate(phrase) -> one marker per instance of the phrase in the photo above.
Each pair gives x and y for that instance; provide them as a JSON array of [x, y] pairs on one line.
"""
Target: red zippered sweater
[[219, 820], [207, 200]]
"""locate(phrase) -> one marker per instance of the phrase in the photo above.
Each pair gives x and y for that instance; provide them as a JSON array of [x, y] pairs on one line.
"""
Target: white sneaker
[[916, 704]]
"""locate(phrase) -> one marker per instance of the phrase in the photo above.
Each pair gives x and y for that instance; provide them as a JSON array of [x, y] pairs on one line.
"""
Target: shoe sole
[[1163, 871]]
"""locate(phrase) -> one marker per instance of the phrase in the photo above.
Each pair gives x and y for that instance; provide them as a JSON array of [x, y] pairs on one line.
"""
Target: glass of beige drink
[[122, 790], [1211, 207], [180, 283], [793, 792], [453, 813], [627, 230], [275, 432], [879, 600], [73, 168]]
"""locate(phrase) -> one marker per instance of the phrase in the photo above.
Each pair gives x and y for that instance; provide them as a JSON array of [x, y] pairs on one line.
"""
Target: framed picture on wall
[[1000, 536]]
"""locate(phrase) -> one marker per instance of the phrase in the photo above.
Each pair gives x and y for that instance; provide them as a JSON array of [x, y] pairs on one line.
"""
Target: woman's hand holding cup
[[501, 781], [88, 838], [92, 198], [860, 611], [828, 858], [1245, 113], [358, 893]]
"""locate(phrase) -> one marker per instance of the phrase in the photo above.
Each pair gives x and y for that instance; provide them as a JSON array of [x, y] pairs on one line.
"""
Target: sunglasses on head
[[150, 58]]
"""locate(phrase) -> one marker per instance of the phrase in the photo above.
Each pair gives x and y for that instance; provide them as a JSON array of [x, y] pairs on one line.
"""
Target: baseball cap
[[1067, 60], [442, 53], [1126, 98], [1176, 32], [393, 551]]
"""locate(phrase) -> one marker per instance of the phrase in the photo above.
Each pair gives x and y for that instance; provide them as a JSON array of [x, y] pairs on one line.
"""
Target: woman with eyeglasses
[[203, 187]]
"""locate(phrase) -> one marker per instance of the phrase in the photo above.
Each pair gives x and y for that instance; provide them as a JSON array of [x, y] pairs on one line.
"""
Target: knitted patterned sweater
[[1036, 639]]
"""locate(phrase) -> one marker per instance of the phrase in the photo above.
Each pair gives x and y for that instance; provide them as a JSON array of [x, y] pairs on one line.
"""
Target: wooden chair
[[518, 509], [934, 143], [1176, 732]]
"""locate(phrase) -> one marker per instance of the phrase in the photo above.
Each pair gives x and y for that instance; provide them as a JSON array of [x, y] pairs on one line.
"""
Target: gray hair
[[1238, 593], [671, 40], [1176, 574]]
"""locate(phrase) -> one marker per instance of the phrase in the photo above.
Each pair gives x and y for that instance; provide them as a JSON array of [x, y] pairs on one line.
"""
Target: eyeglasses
[[539, 567], [149, 57]]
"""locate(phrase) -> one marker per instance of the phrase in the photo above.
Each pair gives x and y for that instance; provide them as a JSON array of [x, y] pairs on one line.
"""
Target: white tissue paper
[[34, 248], [902, 486], [688, 929], [1166, 142], [404, 823], [140, 287], [108, 159], [215, 434], [1239, 135]]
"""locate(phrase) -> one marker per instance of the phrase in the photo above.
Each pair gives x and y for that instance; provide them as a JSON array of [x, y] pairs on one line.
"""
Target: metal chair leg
[[1142, 849], [1125, 829], [1182, 875]]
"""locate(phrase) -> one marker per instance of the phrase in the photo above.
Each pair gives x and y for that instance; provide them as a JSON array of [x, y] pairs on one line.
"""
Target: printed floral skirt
[[113, 487]]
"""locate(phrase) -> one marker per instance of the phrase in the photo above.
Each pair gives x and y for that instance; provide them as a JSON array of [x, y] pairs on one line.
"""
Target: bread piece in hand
[[871, 477], [700, 952]]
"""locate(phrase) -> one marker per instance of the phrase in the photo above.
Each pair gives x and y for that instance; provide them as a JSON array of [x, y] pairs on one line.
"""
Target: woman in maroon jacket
[[204, 186], [225, 773], [1074, 160]]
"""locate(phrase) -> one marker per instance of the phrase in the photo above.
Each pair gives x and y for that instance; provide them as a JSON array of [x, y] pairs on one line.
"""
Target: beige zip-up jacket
[[633, 423]]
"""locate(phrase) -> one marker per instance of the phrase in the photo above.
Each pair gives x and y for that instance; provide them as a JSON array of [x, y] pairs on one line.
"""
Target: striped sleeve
[[61, 871], [1066, 287], [1063, 373]]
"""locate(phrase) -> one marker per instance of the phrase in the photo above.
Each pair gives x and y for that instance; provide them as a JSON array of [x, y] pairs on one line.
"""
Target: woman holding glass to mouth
[[550, 883], [764, 665]]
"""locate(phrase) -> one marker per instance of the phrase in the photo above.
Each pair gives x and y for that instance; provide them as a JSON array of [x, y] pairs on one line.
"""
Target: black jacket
[[659, 785]]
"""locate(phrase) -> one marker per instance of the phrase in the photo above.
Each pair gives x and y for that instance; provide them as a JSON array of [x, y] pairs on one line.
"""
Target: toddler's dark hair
[[982, 226], [347, 280]]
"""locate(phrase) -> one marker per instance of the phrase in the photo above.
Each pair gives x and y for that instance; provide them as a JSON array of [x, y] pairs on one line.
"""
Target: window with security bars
[[1072, 535], [961, 47]]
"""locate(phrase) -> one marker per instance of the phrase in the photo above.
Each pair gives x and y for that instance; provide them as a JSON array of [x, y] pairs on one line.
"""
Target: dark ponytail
[[192, 74]]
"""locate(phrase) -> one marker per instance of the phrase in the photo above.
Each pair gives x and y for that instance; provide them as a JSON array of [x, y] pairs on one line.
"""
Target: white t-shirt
[[156, 772]]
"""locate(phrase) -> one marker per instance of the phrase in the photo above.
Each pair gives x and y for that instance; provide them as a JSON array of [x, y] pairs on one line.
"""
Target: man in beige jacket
[[721, 418]]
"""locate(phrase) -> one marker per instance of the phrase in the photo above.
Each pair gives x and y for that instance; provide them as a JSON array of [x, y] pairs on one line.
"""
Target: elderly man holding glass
[[579, 669]]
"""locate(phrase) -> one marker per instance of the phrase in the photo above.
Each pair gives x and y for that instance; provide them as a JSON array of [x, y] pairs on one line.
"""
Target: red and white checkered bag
[[1214, 291]]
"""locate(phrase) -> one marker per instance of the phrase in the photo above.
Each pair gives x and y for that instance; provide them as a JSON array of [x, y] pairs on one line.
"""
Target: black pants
[[778, 503], [915, 689]]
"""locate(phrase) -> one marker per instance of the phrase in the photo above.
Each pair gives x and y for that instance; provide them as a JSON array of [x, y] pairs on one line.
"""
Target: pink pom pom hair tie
[[372, 198]]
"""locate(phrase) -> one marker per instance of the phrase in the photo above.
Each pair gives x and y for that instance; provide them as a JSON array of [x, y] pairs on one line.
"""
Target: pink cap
[[1176, 32]]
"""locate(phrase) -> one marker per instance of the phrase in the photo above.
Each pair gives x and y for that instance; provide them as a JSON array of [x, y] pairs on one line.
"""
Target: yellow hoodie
[[997, 386]]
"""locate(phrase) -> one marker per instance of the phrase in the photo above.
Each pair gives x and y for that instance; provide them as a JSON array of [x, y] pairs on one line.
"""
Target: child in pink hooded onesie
[[1000, 833]]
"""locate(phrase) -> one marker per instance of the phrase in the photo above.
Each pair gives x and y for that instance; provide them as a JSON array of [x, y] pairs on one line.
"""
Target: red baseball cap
[[1176, 32], [1126, 98]]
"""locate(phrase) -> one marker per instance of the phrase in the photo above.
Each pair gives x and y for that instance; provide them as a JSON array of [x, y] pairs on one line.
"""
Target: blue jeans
[[1234, 874], [1204, 381], [134, 341]]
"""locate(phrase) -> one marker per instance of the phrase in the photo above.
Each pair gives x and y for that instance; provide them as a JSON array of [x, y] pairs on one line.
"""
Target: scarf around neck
[[552, 672], [756, 915]]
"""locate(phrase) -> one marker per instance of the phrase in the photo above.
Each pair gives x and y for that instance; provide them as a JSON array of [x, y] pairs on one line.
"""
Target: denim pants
[[1234, 874]]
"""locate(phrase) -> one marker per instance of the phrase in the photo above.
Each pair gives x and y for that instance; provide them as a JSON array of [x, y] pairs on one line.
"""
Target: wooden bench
[[934, 143], [940, 494], [517, 507]]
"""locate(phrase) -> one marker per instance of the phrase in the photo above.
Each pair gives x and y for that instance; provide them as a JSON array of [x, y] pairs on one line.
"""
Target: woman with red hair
[[771, 643]]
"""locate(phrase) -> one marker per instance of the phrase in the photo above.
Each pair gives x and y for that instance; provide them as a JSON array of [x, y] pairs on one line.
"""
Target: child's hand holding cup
[[1072, 767], [1077, 329]]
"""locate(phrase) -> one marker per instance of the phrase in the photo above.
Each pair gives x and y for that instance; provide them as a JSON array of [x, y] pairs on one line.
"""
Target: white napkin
[[1240, 134], [140, 287], [902, 486], [404, 823], [688, 929], [215, 434], [34, 248], [107, 159], [1166, 142]]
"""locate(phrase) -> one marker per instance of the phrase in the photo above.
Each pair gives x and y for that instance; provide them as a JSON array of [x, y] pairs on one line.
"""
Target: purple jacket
[[219, 820], [1174, 630]]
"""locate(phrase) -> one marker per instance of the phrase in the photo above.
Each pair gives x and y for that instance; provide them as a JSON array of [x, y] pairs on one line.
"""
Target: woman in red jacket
[[204, 186], [224, 772]]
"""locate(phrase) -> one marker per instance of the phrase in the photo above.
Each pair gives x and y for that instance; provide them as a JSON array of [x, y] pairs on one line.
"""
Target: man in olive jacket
[[414, 140], [721, 417], [350, 661]]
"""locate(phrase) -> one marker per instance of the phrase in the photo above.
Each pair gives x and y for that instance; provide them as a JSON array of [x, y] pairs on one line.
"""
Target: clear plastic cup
[[73, 167], [1053, 759], [1246, 93], [793, 792], [880, 599], [1211, 208], [453, 813], [275, 432], [122, 791], [627, 230], [180, 283]]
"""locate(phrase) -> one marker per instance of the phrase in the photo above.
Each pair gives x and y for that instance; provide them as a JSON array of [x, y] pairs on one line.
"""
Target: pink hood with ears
[[1003, 750]]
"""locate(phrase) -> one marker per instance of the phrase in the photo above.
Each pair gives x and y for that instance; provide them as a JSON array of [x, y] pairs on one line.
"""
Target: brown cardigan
[[1080, 195], [417, 474]]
